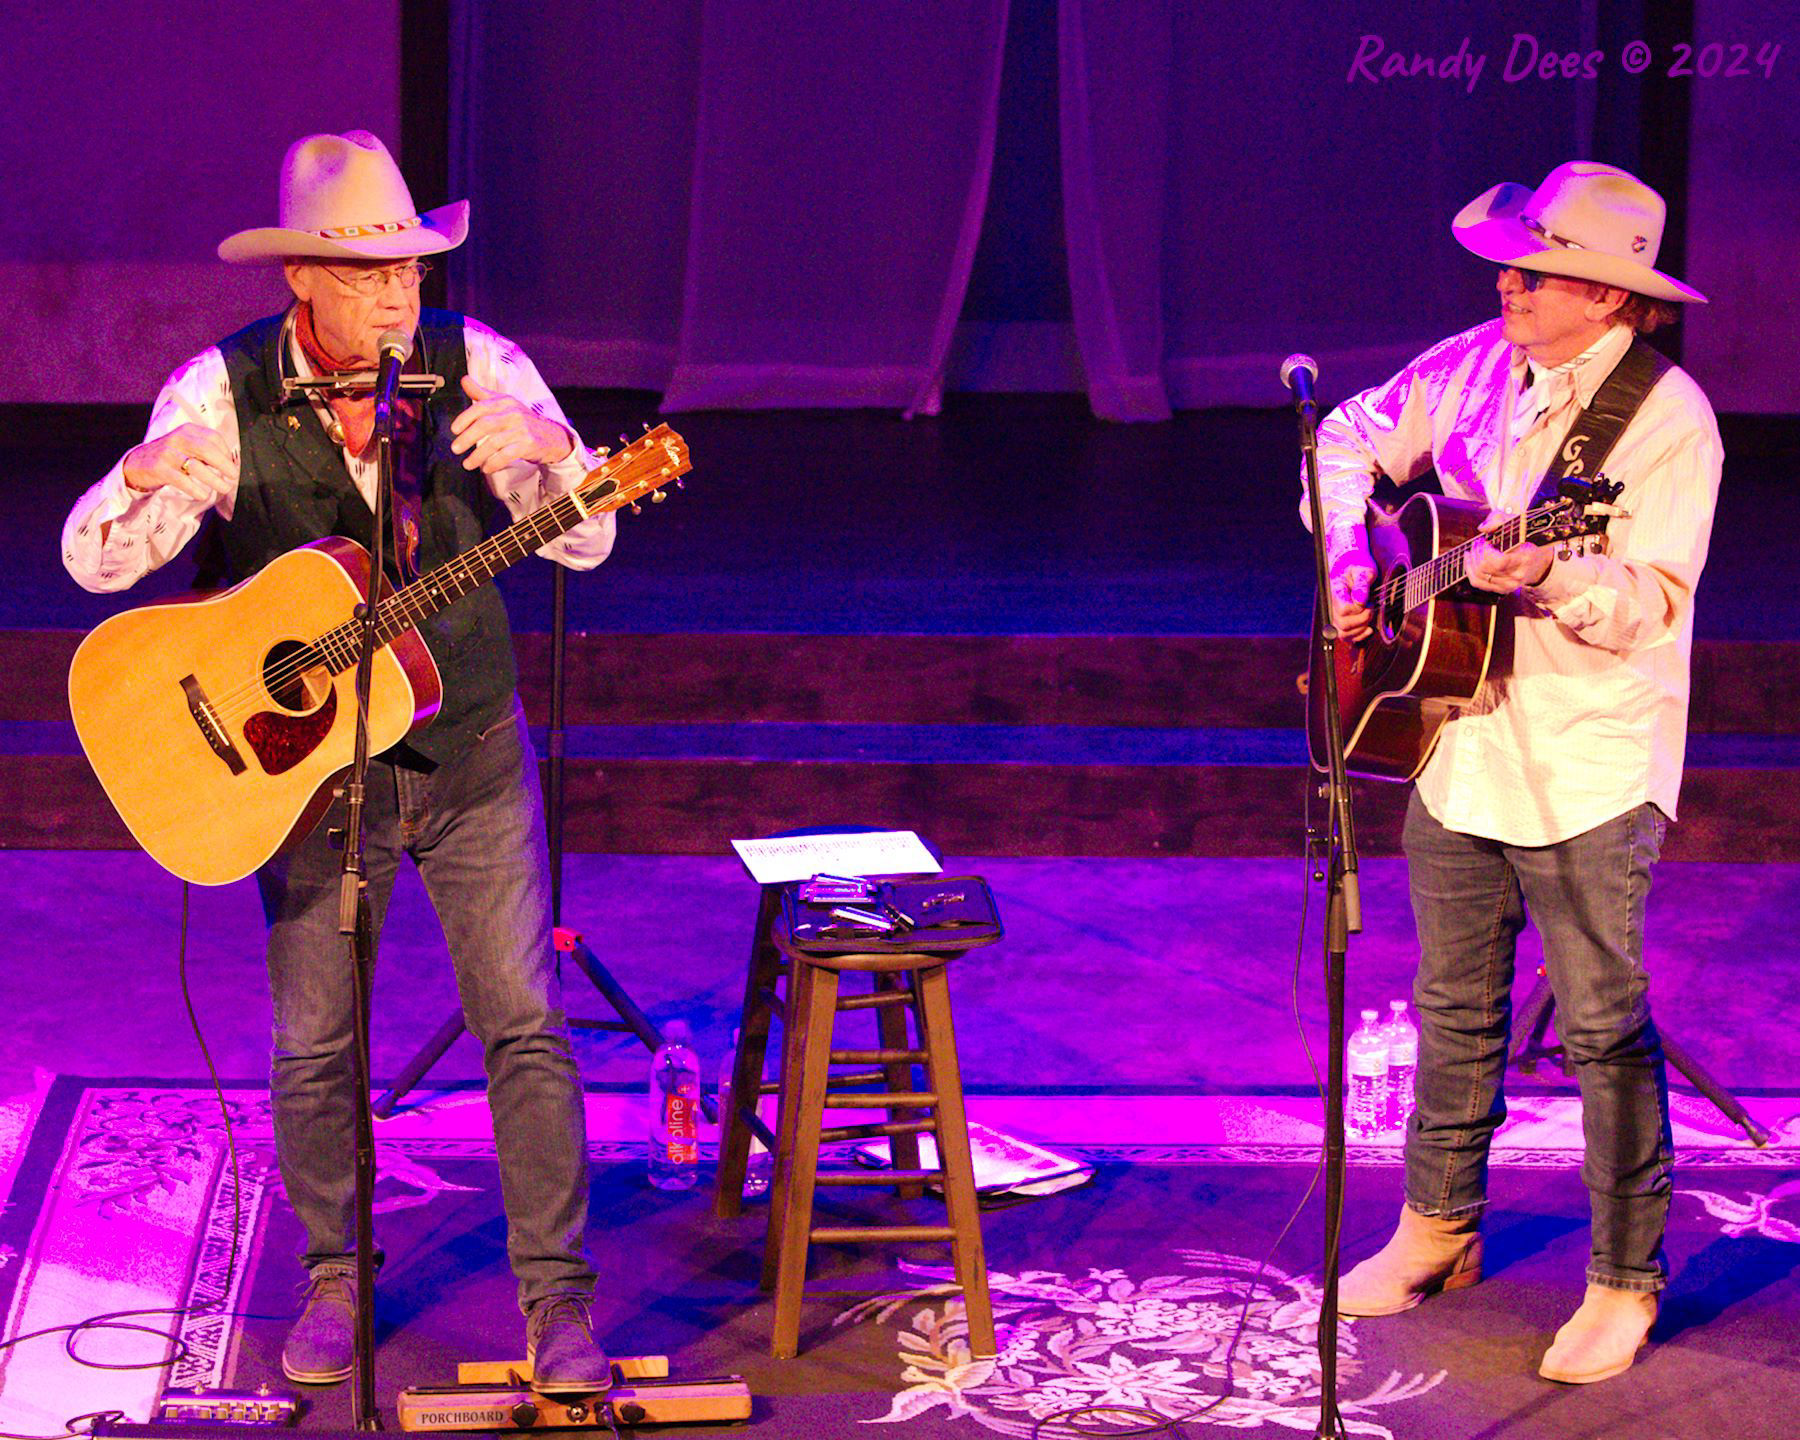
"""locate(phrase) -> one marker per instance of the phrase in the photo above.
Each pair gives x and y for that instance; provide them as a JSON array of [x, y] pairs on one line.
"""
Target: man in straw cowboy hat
[[461, 798], [1551, 792]]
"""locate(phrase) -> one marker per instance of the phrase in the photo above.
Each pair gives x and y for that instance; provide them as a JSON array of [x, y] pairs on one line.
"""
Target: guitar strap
[[1597, 429]]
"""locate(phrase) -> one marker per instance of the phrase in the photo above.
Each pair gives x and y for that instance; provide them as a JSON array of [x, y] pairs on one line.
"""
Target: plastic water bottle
[[761, 1165], [675, 1111], [1403, 1064], [1365, 1106]]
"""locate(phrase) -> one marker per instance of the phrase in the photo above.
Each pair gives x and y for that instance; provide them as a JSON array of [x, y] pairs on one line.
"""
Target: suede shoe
[[560, 1347], [1427, 1254], [1602, 1338], [321, 1347]]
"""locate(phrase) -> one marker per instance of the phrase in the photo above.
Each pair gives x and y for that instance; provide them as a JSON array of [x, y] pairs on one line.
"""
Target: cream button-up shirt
[[1591, 719], [115, 535]]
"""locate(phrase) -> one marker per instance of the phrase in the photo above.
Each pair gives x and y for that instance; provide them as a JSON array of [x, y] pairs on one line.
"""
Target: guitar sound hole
[[1391, 614], [293, 686]]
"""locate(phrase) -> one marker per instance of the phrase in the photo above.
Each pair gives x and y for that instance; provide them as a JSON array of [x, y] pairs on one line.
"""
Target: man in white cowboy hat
[[1551, 792], [461, 798]]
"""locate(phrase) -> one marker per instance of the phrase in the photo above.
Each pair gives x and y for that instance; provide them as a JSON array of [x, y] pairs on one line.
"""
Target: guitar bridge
[[208, 721]]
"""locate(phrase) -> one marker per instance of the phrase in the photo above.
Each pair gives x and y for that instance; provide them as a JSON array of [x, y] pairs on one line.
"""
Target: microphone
[[394, 346], [1298, 373]]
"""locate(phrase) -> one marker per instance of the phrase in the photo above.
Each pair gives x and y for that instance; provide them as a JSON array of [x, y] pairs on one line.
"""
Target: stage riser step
[[1149, 681], [696, 807]]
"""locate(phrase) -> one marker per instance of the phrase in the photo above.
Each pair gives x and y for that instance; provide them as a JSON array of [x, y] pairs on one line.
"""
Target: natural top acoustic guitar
[[219, 725]]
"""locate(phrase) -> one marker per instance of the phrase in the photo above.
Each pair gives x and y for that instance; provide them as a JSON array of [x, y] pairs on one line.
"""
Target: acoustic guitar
[[218, 725], [1433, 635]]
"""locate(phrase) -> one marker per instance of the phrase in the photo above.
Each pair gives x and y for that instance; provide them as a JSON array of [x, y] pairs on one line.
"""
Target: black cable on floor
[[126, 1319]]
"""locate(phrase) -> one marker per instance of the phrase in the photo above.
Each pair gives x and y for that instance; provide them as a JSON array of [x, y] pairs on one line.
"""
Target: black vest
[[293, 488]]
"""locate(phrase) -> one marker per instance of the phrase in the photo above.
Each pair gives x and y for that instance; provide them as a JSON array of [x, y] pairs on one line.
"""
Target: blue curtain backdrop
[[833, 203]]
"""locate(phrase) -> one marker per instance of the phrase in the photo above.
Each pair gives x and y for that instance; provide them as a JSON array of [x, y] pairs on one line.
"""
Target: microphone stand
[[1343, 918], [356, 923]]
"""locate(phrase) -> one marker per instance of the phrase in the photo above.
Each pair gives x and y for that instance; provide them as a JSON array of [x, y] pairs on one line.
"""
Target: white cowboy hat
[[343, 198], [1587, 220]]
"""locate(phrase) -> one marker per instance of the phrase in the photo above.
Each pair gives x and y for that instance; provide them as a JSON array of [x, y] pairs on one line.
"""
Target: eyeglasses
[[373, 282], [1531, 278]]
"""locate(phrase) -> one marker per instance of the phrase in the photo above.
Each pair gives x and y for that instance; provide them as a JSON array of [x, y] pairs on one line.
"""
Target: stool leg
[[747, 1064], [814, 1043], [933, 990], [903, 1150], [787, 1100]]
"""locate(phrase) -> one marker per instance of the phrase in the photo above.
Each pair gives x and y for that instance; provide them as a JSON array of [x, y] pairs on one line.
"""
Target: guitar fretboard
[[443, 585], [1426, 582], [449, 582]]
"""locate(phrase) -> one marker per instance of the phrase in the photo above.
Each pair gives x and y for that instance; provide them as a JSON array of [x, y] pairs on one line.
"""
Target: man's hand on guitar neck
[[1500, 572]]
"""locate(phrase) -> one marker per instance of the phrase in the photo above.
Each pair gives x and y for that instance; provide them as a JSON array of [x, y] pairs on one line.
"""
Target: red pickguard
[[281, 741]]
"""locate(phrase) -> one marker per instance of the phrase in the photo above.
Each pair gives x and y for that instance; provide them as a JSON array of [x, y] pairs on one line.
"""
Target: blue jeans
[[475, 829], [1586, 896]]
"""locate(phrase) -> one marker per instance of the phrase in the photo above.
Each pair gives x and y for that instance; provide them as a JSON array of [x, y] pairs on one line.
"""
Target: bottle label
[[684, 1129]]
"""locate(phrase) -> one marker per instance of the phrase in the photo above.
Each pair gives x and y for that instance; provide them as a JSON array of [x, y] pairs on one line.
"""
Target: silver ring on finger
[[187, 466]]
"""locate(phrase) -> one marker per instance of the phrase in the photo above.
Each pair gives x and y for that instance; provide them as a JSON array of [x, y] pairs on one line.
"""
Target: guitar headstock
[[641, 468], [1581, 508]]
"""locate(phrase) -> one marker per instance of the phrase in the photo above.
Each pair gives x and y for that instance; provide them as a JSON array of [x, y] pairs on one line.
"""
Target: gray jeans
[[475, 829], [1586, 896]]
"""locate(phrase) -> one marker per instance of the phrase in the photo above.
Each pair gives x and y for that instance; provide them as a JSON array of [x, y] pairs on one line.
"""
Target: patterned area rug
[[1127, 1292]]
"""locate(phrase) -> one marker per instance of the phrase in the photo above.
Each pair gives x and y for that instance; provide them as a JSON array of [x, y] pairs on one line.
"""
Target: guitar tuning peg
[[636, 509], [657, 497], [646, 427], [681, 484], [622, 438]]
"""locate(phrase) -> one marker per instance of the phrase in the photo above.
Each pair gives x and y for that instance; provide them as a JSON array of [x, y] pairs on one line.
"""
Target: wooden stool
[[765, 1002], [807, 1087]]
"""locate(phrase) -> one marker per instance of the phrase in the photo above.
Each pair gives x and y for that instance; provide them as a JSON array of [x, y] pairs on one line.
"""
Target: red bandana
[[354, 412]]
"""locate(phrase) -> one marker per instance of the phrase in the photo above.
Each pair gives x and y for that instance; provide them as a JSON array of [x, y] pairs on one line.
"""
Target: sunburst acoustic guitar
[[218, 725], [1434, 635]]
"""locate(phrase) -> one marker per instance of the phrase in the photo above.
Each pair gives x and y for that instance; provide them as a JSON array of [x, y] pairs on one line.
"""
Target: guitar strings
[[342, 639], [1435, 571]]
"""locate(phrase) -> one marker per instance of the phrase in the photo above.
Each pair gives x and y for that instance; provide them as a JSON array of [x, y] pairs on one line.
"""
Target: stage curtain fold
[[1235, 190], [841, 171], [741, 205]]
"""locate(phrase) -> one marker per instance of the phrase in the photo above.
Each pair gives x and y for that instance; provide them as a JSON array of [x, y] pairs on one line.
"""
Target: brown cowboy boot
[[1427, 1254], [1602, 1338]]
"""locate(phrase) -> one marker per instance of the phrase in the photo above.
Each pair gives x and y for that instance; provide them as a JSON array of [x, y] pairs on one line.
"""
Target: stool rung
[[883, 1100], [879, 1057], [879, 1177], [619, 1025], [858, 1234], [775, 1003], [857, 1077], [769, 1087], [877, 1128], [880, 999], [760, 1129]]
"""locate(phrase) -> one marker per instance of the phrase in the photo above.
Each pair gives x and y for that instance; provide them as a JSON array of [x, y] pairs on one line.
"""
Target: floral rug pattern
[[1161, 1346]]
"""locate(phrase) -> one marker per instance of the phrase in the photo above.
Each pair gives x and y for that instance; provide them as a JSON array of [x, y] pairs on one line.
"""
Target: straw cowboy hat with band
[[343, 198], [1587, 221]]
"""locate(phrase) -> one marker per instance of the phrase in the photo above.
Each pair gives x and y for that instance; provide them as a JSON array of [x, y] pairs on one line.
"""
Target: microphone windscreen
[[394, 342], [1298, 362]]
